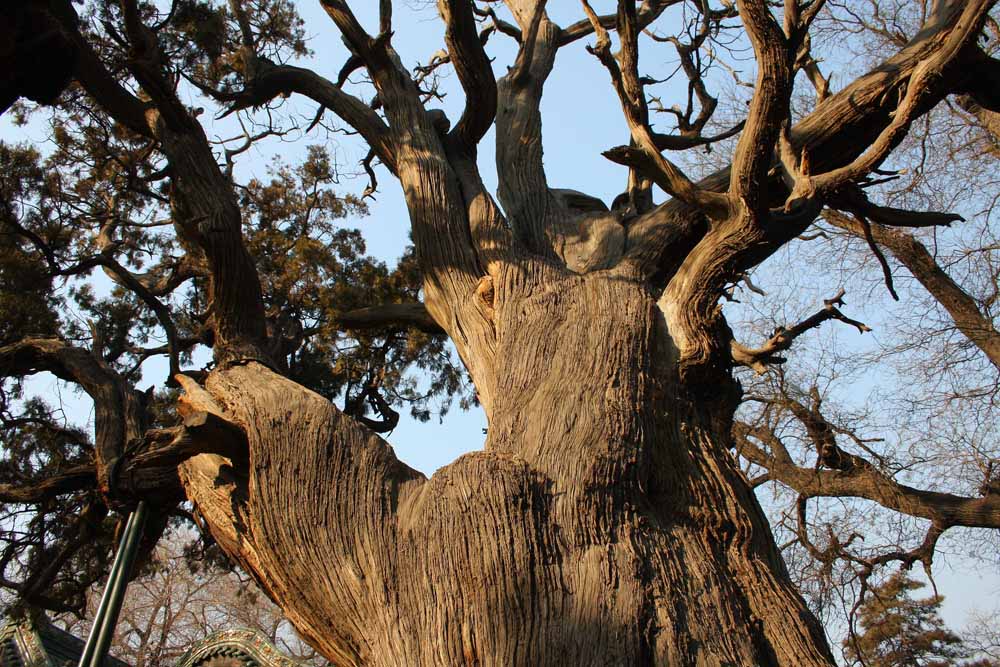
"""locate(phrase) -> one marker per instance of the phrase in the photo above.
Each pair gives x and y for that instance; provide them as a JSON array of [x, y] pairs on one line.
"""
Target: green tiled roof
[[242, 647], [38, 643]]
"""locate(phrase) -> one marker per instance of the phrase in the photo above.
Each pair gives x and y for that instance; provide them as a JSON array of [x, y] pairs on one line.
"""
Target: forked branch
[[644, 154], [118, 413], [833, 135], [919, 261], [920, 89], [760, 357], [648, 12], [867, 482], [523, 188]]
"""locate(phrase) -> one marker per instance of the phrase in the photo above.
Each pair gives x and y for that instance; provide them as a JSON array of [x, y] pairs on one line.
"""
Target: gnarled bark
[[605, 523]]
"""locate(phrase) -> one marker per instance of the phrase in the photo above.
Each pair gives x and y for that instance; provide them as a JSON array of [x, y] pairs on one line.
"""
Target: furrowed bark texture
[[606, 521], [604, 524]]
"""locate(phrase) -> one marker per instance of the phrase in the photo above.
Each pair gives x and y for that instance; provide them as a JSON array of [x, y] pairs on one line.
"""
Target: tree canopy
[[634, 405]]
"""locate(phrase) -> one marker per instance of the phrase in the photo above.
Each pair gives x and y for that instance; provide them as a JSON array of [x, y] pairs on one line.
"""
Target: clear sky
[[581, 118]]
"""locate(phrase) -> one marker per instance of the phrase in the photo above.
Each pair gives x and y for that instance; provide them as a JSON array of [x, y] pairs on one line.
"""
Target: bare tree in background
[[935, 430], [607, 520], [171, 606]]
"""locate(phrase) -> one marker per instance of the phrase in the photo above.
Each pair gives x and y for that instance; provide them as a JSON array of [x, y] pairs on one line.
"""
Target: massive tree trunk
[[605, 522]]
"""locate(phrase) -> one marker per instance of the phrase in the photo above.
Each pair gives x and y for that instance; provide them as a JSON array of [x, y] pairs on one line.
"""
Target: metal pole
[[106, 617]]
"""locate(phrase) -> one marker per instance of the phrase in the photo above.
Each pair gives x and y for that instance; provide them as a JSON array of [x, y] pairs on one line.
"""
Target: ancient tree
[[607, 520]]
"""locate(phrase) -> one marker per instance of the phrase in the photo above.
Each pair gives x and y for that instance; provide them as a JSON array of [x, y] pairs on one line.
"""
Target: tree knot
[[486, 297]]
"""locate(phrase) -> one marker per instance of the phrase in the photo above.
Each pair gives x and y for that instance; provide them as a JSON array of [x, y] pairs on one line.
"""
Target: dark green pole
[[106, 617]]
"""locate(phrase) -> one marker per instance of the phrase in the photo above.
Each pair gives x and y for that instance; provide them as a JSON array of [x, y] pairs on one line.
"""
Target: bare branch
[[645, 155], [526, 55], [691, 64], [669, 142], [499, 25], [118, 414], [769, 108], [832, 135], [854, 201], [270, 81], [918, 97], [912, 254], [783, 338], [122, 105], [865, 481], [385, 17], [359, 41], [391, 315], [76, 478], [648, 12], [886, 271], [474, 71]]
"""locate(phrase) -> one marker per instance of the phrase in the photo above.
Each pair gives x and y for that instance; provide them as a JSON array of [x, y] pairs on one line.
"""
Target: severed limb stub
[[759, 358]]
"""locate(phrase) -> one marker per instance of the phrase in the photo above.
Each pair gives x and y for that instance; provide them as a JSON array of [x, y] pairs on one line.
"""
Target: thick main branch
[[866, 482], [833, 135], [118, 414]]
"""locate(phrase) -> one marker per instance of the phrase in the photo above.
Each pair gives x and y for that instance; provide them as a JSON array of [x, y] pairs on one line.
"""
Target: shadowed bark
[[606, 521]]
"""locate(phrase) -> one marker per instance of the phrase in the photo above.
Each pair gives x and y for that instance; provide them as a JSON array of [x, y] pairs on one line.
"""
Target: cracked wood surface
[[605, 522]]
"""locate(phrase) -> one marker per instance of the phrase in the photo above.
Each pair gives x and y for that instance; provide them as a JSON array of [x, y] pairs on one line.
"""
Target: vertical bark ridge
[[604, 524], [443, 222], [315, 517], [723, 548], [589, 393], [523, 188]]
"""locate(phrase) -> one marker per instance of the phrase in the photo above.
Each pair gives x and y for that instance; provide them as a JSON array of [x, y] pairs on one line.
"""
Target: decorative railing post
[[106, 617]]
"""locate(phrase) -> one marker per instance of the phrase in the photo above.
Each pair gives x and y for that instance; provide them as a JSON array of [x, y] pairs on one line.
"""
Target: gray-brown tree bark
[[606, 520]]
